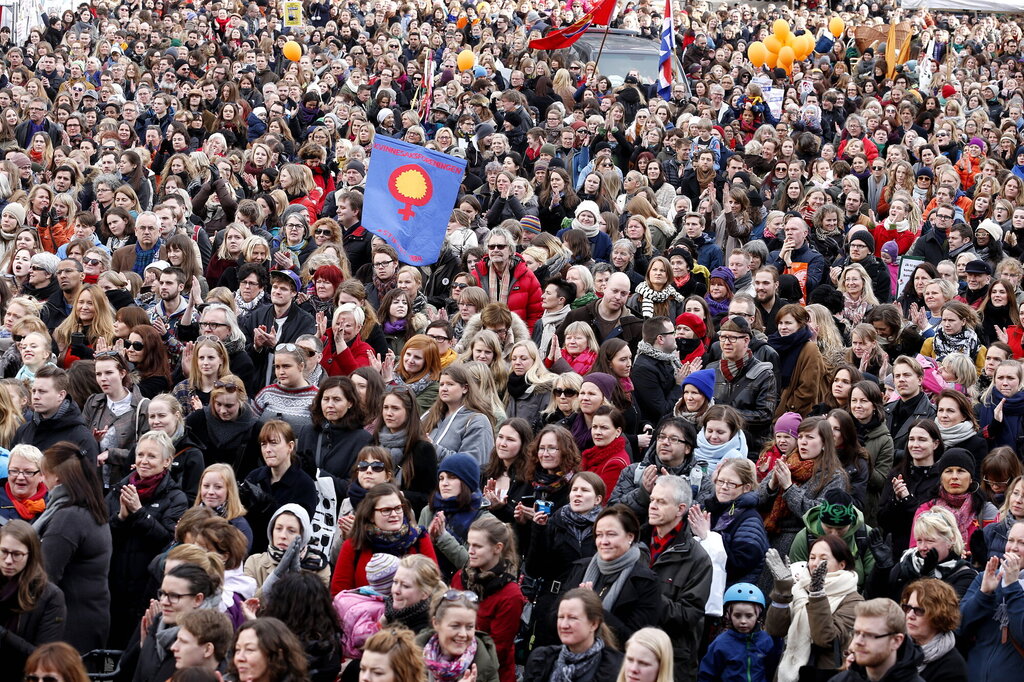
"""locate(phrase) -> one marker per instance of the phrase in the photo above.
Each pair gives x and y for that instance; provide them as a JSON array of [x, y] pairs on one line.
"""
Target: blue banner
[[410, 194]]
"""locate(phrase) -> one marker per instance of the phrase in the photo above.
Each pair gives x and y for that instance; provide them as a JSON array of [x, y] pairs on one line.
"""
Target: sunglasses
[[567, 392], [135, 345], [376, 467], [91, 261], [107, 354], [456, 595], [18, 338], [227, 386], [324, 233]]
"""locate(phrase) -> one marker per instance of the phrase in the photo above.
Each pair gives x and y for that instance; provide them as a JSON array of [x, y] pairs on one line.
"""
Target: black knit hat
[[836, 509], [957, 457]]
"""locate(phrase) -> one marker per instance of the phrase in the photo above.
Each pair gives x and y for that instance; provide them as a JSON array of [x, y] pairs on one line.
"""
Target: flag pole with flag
[[668, 48], [600, 15]]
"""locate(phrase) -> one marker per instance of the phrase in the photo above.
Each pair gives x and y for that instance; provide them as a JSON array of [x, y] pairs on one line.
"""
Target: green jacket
[[856, 541], [486, 660]]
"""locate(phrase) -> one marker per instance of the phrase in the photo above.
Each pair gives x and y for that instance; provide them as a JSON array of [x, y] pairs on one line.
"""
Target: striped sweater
[[288, 404]]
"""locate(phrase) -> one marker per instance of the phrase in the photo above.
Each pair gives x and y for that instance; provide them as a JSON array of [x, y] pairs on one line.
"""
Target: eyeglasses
[[674, 440], [872, 635], [387, 511], [227, 386], [456, 595], [730, 338], [496, 247], [12, 554], [172, 597], [727, 485], [91, 261], [135, 345], [376, 467], [459, 285], [383, 263], [940, 216], [36, 268], [916, 610], [244, 283], [566, 392], [439, 339], [16, 473]]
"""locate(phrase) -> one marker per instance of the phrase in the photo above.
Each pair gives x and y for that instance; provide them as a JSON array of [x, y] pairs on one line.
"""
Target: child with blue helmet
[[743, 651]]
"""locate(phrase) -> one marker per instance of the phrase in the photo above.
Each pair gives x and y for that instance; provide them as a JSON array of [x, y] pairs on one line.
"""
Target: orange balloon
[[757, 53], [292, 51], [466, 60], [771, 60], [786, 56], [773, 44], [809, 39], [800, 47], [836, 26], [790, 40], [781, 29]]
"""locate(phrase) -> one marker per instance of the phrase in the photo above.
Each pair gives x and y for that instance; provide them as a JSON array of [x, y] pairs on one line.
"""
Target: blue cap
[[289, 275]]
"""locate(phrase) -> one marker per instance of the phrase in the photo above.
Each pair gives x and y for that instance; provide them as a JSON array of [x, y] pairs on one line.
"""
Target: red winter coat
[[607, 462], [524, 289], [350, 571], [904, 240], [347, 361], [499, 616]]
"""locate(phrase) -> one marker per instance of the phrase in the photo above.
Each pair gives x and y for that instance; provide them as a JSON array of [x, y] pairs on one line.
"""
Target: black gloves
[[881, 548], [931, 560]]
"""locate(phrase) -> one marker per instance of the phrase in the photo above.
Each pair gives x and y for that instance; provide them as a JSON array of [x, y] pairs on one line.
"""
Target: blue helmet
[[744, 592]]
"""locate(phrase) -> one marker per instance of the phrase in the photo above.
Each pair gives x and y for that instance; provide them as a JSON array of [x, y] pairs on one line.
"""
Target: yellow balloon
[[292, 51], [800, 47], [757, 53], [773, 44], [781, 29], [466, 60], [772, 60], [836, 26], [786, 56], [790, 40]]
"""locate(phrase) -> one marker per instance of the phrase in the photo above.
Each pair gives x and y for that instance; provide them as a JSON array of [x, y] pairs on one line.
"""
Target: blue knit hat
[[464, 467], [724, 274], [703, 380]]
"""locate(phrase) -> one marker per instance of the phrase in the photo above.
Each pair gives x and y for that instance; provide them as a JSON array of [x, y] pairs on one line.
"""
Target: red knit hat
[[694, 323], [948, 91]]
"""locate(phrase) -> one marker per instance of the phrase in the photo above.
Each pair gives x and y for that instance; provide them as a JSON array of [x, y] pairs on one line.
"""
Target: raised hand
[[700, 521], [997, 413], [818, 576], [931, 560], [899, 486], [783, 477], [437, 526], [779, 567], [1011, 568], [990, 578], [881, 548]]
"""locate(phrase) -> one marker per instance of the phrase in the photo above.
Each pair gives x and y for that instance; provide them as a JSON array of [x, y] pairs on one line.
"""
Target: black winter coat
[[295, 486], [297, 322], [554, 549], [332, 449], [640, 602], [142, 661], [919, 408], [188, 465], [948, 668], [67, 424], [137, 539], [76, 551], [897, 516], [26, 631], [908, 657], [541, 664], [684, 576], [755, 394], [655, 387], [233, 443]]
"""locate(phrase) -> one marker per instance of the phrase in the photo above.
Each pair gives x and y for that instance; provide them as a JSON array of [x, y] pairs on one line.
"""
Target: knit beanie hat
[[836, 509], [693, 322], [788, 423], [20, 160], [605, 382], [47, 261], [548, 149], [589, 207], [978, 141], [464, 467], [724, 274], [356, 165], [702, 380], [863, 236], [16, 210], [993, 229], [957, 457], [948, 91], [892, 249], [530, 223], [380, 572]]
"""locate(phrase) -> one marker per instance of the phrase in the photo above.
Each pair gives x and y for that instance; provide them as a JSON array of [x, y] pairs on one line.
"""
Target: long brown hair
[[364, 515], [413, 428], [32, 579], [827, 464]]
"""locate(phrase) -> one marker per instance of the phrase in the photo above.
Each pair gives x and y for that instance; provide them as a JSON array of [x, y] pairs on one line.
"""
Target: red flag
[[564, 37]]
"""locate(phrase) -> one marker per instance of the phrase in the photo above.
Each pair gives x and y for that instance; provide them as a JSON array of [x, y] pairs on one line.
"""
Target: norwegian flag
[[668, 48]]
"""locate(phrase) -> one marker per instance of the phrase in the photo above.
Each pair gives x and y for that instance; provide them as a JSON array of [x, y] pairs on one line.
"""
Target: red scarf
[[802, 470], [146, 487], [597, 456], [659, 544], [31, 507]]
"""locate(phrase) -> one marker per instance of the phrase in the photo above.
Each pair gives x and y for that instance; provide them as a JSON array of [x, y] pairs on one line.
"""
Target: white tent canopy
[[1015, 6]]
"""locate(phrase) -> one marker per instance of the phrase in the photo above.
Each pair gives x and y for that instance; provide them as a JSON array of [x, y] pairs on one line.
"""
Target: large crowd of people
[[722, 380]]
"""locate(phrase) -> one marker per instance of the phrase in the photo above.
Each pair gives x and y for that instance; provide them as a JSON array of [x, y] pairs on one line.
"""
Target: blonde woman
[[229, 253], [648, 656], [858, 294], [10, 419], [297, 182], [486, 348], [91, 321], [484, 379], [529, 383], [830, 341], [207, 362], [564, 391], [218, 491]]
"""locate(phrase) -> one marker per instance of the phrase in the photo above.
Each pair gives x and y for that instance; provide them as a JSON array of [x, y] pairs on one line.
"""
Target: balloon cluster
[[783, 47]]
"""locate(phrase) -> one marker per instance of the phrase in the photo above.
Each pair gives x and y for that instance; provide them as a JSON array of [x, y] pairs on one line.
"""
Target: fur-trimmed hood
[[518, 332]]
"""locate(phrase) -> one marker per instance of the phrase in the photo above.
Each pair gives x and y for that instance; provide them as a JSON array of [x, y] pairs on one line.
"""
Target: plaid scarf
[[497, 290], [731, 370]]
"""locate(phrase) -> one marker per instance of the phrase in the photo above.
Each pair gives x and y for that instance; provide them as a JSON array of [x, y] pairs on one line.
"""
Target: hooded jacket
[[524, 293], [737, 657], [743, 534], [66, 424], [260, 566], [855, 538]]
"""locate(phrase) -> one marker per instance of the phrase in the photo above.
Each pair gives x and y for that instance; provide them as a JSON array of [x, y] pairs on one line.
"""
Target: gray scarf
[[394, 442], [938, 647], [166, 634], [56, 500], [616, 567], [570, 667], [244, 307], [644, 348], [550, 322]]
